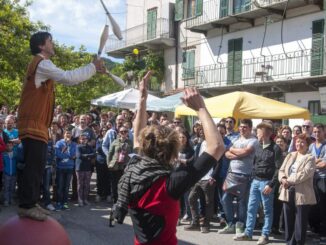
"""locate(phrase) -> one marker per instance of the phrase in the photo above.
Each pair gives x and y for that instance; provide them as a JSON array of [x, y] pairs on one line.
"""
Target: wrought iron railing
[[212, 12], [278, 67], [139, 34]]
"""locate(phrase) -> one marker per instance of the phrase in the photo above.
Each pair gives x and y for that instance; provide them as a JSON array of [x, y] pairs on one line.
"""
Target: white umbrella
[[127, 99]]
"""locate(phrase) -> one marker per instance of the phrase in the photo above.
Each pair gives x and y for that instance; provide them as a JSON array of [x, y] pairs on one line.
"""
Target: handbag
[[236, 184]]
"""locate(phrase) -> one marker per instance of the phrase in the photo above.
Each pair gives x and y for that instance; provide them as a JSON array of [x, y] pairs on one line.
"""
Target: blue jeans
[[228, 207], [64, 178], [47, 178], [255, 197], [9, 187]]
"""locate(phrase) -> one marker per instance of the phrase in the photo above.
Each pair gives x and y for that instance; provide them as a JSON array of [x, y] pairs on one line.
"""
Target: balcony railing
[[213, 12], [272, 68], [140, 34]]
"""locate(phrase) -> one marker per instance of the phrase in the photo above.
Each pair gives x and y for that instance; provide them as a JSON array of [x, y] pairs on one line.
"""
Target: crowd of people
[[268, 178]]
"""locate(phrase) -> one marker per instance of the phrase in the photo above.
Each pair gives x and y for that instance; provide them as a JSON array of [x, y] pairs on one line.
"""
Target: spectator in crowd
[[194, 137], [63, 122], [85, 159], [104, 119], [153, 119], [278, 220], [205, 189], [4, 112], [241, 154], [163, 118], [297, 130], [2, 149], [268, 160], [76, 121], [286, 132], [230, 133], [317, 216], [307, 127], [220, 173], [10, 173], [83, 128], [103, 182], [297, 192], [11, 131], [118, 158], [57, 112], [5, 138], [65, 151], [160, 186], [47, 175], [111, 134], [186, 157], [111, 116]]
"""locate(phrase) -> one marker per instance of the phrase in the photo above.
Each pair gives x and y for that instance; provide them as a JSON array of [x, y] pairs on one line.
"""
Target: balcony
[[216, 16], [283, 69], [160, 35]]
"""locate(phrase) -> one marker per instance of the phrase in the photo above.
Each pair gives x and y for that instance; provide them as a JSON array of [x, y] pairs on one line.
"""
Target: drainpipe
[[177, 44]]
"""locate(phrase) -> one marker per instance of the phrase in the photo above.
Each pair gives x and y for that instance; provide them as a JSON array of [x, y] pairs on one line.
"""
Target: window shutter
[[230, 61], [151, 23], [199, 7], [224, 8], [234, 61], [178, 10], [237, 61], [317, 48]]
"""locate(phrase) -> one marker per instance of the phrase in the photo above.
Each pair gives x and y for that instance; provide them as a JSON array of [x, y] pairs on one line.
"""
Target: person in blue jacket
[[65, 152], [9, 161]]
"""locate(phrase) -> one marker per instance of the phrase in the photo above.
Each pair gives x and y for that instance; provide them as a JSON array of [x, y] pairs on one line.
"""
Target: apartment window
[[234, 61], [224, 8], [317, 48], [188, 64], [193, 8], [314, 107], [151, 23], [240, 6]]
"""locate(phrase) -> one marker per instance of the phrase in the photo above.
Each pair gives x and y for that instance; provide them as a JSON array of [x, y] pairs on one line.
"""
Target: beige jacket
[[302, 179]]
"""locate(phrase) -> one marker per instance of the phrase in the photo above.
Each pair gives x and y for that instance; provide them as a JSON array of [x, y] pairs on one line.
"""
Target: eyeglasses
[[229, 121], [306, 126]]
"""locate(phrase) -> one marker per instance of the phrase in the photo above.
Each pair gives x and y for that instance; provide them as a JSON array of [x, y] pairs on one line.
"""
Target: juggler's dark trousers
[[35, 152]]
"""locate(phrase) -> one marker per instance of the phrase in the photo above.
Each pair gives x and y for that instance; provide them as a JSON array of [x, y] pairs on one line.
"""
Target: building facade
[[273, 48]]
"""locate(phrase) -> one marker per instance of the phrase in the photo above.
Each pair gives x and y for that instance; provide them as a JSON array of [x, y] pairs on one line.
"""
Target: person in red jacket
[[2, 149], [150, 188]]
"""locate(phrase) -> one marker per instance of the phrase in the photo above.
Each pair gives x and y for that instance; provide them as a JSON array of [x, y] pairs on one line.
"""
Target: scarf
[[140, 173]]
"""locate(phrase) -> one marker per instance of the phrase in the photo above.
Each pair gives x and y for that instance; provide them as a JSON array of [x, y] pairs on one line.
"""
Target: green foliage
[[15, 32], [151, 61]]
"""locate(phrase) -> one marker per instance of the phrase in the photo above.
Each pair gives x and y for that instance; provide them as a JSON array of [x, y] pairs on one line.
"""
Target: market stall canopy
[[168, 103], [126, 99], [247, 105]]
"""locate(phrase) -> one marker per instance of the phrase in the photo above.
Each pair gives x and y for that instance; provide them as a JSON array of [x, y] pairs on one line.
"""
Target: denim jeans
[[229, 210], [9, 187], [255, 197], [64, 178], [47, 178]]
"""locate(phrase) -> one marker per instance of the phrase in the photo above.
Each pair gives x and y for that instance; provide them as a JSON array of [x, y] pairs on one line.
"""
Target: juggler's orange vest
[[35, 112]]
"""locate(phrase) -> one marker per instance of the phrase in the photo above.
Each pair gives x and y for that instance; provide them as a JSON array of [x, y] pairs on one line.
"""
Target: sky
[[77, 22]]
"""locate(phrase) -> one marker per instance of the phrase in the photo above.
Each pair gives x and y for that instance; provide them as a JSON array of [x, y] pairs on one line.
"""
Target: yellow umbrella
[[247, 105]]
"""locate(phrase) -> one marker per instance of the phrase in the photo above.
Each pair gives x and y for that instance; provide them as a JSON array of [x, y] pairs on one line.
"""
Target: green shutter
[[188, 64], [240, 6], [234, 61], [178, 10], [224, 8], [237, 60], [230, 61], [199, 7], [317, 48], [151, 23]]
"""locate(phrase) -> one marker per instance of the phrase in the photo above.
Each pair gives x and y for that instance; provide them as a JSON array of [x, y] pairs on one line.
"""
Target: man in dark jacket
[[268, 159]]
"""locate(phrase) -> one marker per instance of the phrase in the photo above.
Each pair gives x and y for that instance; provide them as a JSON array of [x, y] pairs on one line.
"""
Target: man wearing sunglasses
[[230, 133]]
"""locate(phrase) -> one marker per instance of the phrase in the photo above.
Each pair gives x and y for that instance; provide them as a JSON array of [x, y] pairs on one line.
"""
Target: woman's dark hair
[[185, 133], [38, 39]]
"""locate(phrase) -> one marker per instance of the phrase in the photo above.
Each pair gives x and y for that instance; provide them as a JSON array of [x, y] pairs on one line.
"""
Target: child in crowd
[[84, 163], [65, 151], [9, 160]]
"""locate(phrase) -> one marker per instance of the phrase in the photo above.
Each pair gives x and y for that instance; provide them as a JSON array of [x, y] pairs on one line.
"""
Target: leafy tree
[[15, 32]]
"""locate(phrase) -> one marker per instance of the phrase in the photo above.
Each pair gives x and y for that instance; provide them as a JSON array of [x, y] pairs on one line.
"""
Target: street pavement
[[89, 225]]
